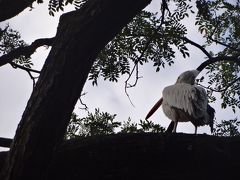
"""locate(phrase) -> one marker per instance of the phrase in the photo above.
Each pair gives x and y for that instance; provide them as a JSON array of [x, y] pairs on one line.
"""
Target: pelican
[[185, 101]]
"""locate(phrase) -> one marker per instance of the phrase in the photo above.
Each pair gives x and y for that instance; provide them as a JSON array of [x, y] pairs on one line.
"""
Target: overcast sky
[[16, 85]]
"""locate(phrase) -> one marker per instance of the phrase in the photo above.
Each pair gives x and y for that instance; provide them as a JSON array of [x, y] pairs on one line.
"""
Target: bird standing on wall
[[185, 101]]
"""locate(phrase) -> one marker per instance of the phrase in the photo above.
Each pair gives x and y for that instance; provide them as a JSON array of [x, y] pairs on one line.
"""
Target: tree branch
[[11, 8], [219, 42], [5, 142], [28, 70], [223, 44], [85, 107], [14, 65], [212, 60], [164, 7], [197, 45], [223, 89], [25, 51]]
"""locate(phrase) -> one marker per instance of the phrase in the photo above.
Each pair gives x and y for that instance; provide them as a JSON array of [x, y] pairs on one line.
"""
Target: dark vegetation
[[105, 38], [145, 156], [93, 149]]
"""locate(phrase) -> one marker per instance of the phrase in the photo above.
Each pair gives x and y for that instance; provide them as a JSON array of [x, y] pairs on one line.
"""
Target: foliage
[[11, 39], [129, 127], [94, 124], [218, 21], [149, 126], [103, 123], [157, 40], [145, 126], [153, 42], [227, 128], [56, 5], [156, 37]]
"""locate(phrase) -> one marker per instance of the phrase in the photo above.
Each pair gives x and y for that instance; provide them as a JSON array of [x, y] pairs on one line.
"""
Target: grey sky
[[16, 86]]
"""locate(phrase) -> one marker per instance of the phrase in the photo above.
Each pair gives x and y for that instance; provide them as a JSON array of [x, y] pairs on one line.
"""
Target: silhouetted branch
[[223, 89], [85, 107], [24, 51], [164, 7], [5, 142], [223, 44], [212, 60], [28, 70], [219, 42], [198, 46], [127, 85], [14, 65]]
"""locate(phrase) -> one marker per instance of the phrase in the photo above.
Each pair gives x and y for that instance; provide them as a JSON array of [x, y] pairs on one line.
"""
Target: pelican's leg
[[195, 130], [175, 126]]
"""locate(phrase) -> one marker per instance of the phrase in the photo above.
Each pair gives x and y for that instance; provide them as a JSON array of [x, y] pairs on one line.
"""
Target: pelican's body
[[184, 101]]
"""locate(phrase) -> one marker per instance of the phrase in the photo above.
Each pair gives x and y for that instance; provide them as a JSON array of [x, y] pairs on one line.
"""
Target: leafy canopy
[[102, 123], [11, 39], [156, 37]]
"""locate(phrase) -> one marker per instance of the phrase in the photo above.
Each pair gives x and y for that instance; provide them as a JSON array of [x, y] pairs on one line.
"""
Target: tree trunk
[[80, 37]]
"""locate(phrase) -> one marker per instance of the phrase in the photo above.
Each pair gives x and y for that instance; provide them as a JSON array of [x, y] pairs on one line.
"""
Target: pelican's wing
[[192, 99]]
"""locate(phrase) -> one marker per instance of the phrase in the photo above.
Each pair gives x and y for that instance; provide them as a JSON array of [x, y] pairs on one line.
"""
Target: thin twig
[[223, 44], [14, 65], [83, 104], [197, 45], [28, 70], [223, 89], [33, 78], [164, 7], [219, 42]]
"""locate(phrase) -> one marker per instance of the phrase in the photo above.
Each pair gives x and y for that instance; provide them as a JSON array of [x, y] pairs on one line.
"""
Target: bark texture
[[148, 156], [80, 37]]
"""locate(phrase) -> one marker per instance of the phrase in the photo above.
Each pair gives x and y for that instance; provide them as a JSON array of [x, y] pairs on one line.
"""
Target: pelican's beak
[[154, 108]]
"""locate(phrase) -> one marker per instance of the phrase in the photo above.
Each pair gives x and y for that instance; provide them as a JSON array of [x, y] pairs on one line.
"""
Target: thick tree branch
[[25, 51], [5, 142], [212, 60], [11, 8]]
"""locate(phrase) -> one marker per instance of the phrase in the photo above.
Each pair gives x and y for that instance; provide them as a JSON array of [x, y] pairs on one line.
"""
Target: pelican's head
[[188, 77]]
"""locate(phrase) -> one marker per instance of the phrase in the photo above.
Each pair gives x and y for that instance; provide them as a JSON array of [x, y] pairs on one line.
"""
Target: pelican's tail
[[211, 113], [154, 108]]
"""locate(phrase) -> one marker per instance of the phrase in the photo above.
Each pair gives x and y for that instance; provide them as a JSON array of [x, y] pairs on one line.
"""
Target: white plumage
[[184, 101]]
